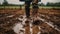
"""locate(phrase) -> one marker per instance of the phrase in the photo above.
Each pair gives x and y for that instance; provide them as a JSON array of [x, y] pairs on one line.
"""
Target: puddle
[[18, 27], [10, 16]]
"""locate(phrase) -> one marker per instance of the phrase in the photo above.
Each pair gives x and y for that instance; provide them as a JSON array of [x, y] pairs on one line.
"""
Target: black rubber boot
[[27, 8]]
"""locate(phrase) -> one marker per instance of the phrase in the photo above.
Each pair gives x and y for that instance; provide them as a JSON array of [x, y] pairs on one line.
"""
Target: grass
[[48, 7], [17, 7]]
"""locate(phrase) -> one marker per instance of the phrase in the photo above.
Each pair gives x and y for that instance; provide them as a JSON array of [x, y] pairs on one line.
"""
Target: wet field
[[13, 21]]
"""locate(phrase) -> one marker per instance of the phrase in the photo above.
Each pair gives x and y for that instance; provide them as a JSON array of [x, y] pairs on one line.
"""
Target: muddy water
[[20, 29]]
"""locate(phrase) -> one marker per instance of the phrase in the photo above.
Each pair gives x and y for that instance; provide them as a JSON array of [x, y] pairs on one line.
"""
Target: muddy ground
[[12, 21]]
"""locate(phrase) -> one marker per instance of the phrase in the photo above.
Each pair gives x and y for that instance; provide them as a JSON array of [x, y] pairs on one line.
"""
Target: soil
[[9, 18]]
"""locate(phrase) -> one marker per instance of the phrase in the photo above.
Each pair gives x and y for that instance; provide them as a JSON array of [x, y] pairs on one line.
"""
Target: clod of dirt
[[22, 30], [10, 32], [21, 17], [27, 21], [37, 22]]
